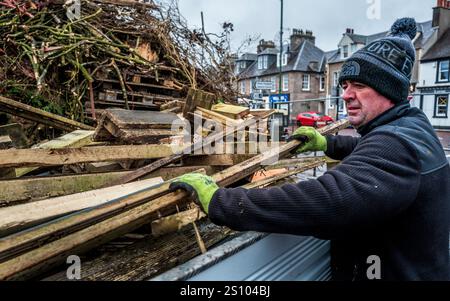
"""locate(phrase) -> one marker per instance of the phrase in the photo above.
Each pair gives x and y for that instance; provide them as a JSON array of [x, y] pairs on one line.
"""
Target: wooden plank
[[171, 104], [125, 119], [216, 160], [189, 103], [77, 138], [216, 116], [48, 255], [68, 156], [176, 222], [19, 109], [38, 188], [17, 217], [234, 112]]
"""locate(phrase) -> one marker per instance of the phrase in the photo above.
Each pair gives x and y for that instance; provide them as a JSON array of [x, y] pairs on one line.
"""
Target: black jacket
[[390, 197]]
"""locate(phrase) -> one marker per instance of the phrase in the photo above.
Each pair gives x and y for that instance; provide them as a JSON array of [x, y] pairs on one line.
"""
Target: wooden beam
[[177, 221], [17, 217], [19, 109], [38, 188], [216, 116], [230, 111], [68, 156], [77, 138], [216, 160]]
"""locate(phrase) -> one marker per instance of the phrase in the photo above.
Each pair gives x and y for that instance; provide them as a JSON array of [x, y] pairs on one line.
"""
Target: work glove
[[203, 186], [312, 140]]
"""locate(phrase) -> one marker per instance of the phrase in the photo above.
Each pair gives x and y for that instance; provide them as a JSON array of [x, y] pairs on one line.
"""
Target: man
[[390, 196]]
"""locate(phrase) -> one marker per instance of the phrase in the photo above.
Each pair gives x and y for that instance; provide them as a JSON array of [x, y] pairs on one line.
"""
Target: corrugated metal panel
[[259, 257]]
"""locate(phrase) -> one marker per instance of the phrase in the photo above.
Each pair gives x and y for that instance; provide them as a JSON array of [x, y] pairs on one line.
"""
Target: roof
[[440, 50], [424, 27], [248, 57], [269, 51], [307, 58], [357, 38], [427, 30]]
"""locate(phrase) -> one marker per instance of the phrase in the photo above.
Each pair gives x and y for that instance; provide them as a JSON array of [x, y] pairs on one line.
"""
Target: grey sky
[[328, 19]]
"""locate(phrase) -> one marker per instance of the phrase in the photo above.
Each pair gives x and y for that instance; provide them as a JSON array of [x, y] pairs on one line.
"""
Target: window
[[263, 62], [443, 71], [336, 79], [273, 79], [441, 106], [243, 87], [285, 82], [260, 63], [322, 83], [252, 82], [305, 82], [353, 48], [345, 51], [285, 59]]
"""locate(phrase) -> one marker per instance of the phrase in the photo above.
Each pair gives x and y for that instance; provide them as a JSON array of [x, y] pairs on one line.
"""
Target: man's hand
[[203, 186], [313, 141]]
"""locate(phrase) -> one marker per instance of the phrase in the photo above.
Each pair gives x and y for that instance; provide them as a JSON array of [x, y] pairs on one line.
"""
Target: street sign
[[279, 98], [264, 85]]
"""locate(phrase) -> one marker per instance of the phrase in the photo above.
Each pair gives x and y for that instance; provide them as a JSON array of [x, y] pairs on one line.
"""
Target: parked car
[[314, 119]]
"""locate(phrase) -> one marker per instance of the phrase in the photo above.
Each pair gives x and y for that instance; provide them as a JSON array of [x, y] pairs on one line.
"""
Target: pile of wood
[[115, 54], [93, 213]]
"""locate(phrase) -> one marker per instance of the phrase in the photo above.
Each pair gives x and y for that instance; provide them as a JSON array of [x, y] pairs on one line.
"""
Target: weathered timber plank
[[230, 111], [38, 188], [67, 156], [176, 222], [30, 113], [20, 216], [77, 138], [125, 119]]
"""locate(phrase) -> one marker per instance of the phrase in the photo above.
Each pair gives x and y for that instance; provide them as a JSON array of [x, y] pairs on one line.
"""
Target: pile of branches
[[48, 57]]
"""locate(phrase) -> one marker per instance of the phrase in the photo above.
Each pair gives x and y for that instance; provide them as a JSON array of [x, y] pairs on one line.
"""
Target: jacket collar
[[390, 115]]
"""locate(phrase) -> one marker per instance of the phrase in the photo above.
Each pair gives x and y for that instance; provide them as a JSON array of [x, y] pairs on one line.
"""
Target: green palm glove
[[313, 141], [203, 186]]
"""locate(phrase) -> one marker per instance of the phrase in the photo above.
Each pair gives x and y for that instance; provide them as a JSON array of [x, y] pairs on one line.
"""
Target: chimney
[[350, 31], [298, 36], [263, 45], [441, 16]]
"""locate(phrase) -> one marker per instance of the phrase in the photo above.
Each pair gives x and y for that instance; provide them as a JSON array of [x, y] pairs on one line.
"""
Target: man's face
[[363, 103]]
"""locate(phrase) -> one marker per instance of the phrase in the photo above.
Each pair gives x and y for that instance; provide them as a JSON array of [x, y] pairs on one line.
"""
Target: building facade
[[301, 78], [433, 87]]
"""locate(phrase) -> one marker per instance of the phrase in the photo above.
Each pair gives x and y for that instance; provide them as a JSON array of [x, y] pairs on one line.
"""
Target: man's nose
[[348, 94]]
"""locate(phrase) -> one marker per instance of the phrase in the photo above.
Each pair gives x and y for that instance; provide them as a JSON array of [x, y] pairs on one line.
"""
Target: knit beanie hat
[[386, 64]]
